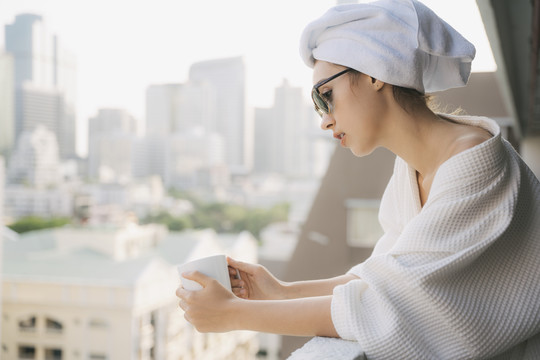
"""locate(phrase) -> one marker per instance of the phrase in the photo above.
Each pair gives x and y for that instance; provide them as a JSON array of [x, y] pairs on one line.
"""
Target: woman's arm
[[214, 309], [257, 283], [309, 288], [308, 316]]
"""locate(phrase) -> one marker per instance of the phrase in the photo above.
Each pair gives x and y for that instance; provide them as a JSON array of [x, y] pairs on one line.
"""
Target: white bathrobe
[[458, 278]]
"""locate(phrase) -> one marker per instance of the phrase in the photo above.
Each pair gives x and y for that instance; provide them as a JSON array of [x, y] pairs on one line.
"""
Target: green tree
[[172, 223], [30, 223], [223, 218]]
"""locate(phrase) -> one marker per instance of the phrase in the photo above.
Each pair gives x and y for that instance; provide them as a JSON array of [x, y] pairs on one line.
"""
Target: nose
[[327, 122]]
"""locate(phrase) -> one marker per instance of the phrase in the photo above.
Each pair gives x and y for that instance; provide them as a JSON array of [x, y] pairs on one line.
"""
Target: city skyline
[[155, 44]]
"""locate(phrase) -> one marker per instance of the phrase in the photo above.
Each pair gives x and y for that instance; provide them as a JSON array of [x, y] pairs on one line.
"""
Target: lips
[[339, 136]]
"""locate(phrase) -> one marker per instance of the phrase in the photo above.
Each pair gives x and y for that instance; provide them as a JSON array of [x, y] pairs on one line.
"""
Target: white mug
[[213, 266]]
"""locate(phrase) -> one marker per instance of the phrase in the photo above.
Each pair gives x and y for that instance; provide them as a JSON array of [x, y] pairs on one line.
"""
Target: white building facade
[[107, 293], [35, 161]]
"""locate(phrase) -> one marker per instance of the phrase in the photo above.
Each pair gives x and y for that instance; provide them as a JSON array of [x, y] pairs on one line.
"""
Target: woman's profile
[[456, 274]]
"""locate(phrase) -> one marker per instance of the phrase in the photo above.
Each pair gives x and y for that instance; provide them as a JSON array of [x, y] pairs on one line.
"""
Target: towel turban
[[400, 42]]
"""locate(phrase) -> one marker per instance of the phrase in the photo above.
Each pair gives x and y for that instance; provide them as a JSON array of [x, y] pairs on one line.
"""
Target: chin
[[361, 152]]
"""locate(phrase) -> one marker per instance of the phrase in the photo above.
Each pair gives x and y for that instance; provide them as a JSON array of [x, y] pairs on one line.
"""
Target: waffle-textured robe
[[458, 278]]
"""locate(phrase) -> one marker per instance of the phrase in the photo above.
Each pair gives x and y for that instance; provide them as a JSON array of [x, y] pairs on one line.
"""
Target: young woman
[[456, 273]]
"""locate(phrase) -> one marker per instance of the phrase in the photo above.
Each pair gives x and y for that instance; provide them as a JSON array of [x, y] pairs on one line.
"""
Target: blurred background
[[137, 135]]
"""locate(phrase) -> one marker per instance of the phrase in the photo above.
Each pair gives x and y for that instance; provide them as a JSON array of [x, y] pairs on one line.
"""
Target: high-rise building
[[266, 160], [150, 156], [162, 109], [284, 135], [40, 106], [181, 142], [197, 107], [179, 108], [32, 47], [195, 159], [7, 108], [44, 78], [226, 78], [35, 160], [111, 142], [292, 122]]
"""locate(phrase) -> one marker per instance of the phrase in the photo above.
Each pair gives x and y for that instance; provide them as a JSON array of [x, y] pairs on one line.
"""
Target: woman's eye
[[327, 95]]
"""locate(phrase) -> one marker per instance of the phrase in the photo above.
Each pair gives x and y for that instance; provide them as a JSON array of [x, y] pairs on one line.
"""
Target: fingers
[[198, 277], [238, 288], [234, 273], [182, 304], [242, 266], [181, 292], [184, 295], [237, 283], [240, 292]]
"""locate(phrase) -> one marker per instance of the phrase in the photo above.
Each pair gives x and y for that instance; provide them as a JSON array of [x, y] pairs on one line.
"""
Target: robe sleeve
[[460, 278]]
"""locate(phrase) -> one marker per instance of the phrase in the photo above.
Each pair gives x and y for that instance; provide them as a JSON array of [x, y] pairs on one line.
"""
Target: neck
[[420, 138]]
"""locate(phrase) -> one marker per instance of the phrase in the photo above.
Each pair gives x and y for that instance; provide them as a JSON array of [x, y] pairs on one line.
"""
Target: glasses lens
[[320, 105]]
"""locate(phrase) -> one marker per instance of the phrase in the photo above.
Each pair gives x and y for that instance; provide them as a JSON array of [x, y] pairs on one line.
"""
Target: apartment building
[[109, 293]]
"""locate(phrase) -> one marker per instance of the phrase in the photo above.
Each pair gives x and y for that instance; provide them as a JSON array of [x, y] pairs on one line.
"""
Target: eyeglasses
[[321, 104]]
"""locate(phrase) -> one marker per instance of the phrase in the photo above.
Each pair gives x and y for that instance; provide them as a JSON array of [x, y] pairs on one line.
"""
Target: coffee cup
[[213, 266]]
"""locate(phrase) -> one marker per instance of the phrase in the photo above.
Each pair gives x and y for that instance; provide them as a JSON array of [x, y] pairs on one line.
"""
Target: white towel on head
[[400, 42]]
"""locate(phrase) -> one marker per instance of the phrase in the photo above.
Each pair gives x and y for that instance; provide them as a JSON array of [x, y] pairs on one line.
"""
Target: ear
[[377, 84]]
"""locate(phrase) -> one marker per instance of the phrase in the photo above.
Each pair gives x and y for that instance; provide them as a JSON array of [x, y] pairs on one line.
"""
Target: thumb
[[197, 277], [242, 266]]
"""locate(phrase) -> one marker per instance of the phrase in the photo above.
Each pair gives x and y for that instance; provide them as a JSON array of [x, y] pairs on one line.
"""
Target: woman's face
[[356, 108]]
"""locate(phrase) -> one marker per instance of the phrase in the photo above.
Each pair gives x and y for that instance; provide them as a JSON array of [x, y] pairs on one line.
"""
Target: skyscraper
[[35, 159], [226, 77], [180, 141], [179, 108], [44, 70], [162, 109], [292, 122], [7, 110], [284, 141], [111, 142]]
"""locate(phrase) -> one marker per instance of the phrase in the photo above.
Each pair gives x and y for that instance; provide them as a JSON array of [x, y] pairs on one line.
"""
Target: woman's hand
[[209, 309], [255, 282]]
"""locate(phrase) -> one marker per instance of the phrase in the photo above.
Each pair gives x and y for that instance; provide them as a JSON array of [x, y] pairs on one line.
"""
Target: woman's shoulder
[[468, 137], [473, 137], [477, 124]]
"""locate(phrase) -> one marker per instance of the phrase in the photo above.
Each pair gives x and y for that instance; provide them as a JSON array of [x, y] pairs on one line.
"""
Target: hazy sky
[[122, 46]]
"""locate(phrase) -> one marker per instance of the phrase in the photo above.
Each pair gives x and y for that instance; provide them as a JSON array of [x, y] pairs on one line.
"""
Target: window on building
[[53, 326], [363, 228], [97, 323], [153, 317], [27, 352], [28, 324], [97, 356], [53, 354]]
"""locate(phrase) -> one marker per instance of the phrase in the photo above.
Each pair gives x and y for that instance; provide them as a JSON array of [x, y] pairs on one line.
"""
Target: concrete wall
[[322, 249], [530, 151]]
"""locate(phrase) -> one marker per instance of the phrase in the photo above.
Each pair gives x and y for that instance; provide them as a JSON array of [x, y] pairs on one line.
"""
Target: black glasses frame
[[321, 104]]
